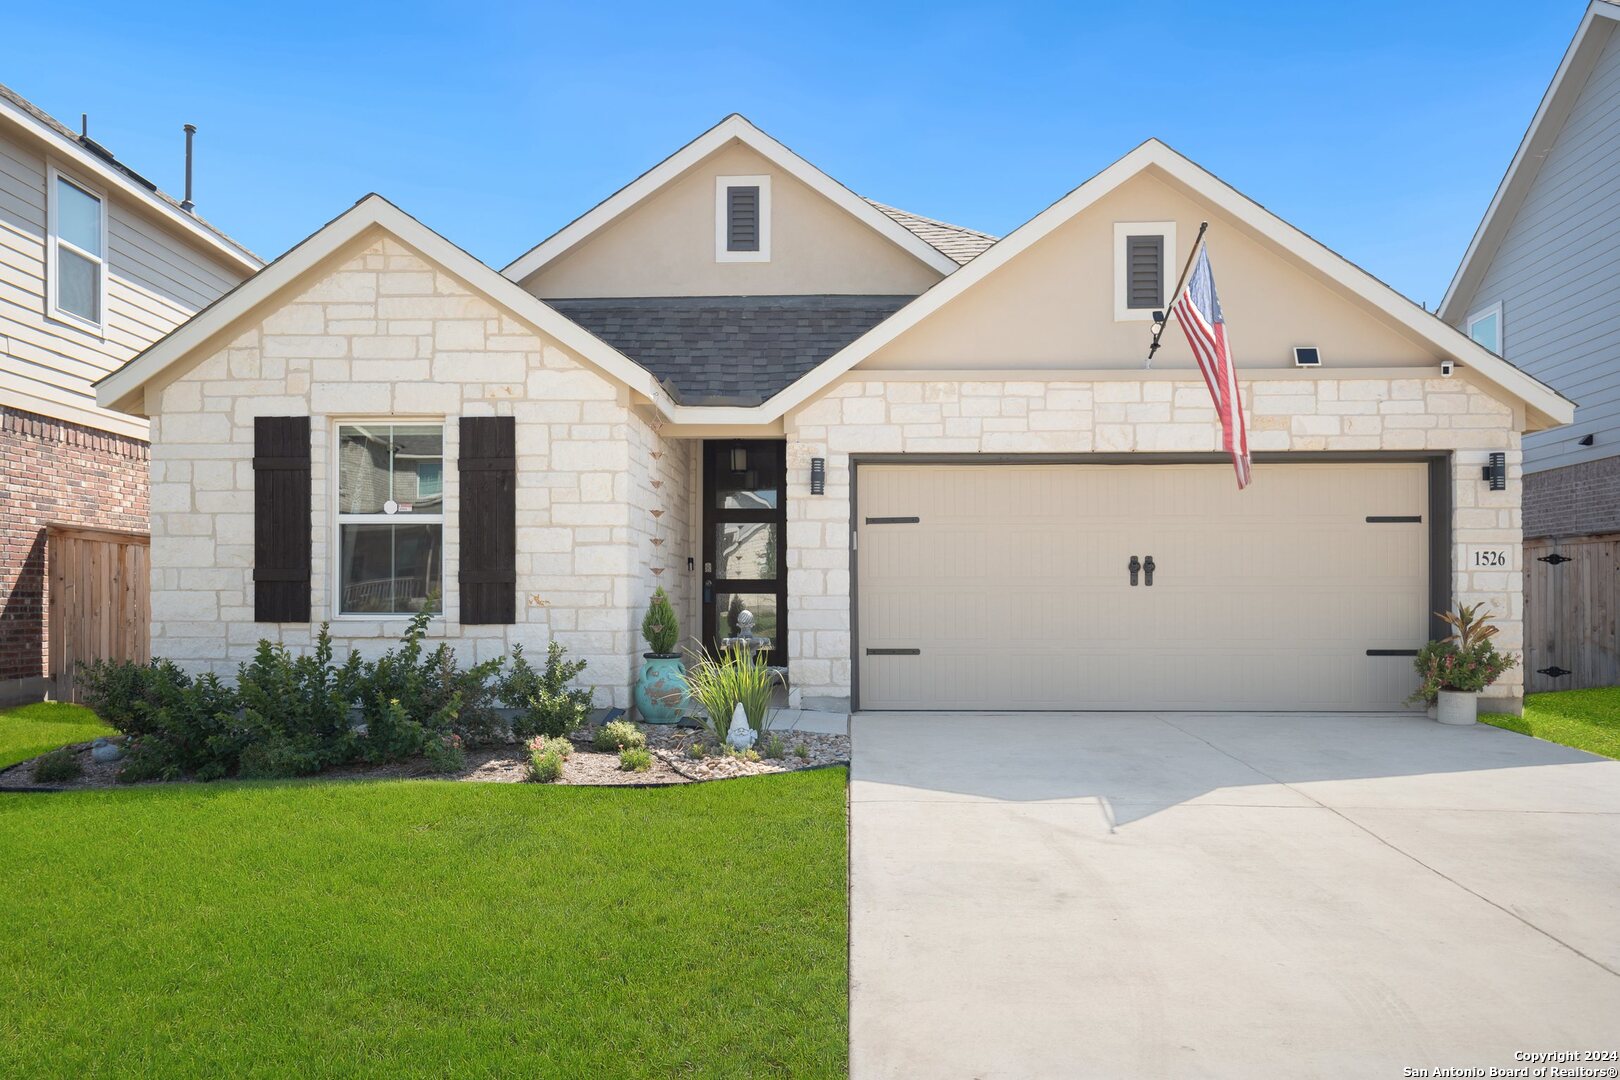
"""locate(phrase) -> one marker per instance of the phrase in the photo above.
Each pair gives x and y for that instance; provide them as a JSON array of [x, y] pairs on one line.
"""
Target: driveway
[[1169, 895]]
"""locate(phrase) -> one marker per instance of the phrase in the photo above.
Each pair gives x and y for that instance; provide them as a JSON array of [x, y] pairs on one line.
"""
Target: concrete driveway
[[1169, 895]]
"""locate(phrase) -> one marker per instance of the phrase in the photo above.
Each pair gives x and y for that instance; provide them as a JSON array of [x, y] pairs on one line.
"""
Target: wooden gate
[[100, 600], [1571, 599]]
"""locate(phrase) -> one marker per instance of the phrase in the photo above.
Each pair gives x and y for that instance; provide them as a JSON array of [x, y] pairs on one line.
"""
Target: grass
[[425, 928], [30, 730], [1585, 719]]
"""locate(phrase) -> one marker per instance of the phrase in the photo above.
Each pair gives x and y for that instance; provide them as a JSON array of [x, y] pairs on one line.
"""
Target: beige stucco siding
[[665, 245], [383, 332], [875, 413], [1053, 305]]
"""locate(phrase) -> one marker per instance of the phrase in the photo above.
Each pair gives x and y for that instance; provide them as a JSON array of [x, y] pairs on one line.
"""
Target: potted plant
[[661, 686], [1456, 668]]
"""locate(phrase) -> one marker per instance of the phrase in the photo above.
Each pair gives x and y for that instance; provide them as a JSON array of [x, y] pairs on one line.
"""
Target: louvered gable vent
[[1144, 271], [742, 218]]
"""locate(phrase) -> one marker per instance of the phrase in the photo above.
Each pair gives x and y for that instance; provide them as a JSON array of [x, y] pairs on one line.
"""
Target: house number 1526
[[1490, 558]]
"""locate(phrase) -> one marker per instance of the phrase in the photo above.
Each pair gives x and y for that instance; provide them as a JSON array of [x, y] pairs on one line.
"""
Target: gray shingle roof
[[63, 131], [955, 242], [729, 350]]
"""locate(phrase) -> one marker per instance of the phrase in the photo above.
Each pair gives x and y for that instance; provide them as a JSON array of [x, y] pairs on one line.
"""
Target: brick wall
[[1577, 500], [52, 471]]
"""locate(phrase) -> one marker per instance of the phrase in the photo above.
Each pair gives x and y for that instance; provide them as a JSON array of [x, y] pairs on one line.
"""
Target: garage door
[[1009, 586]]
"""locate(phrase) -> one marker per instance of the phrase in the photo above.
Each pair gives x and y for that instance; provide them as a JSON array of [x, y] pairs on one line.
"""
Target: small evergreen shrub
[[57, 767], [772, 746], [696, 750], [447, 753], [551, 706], [545, 767], [801, 751], [660, 627], [619, 735], [635, 759]]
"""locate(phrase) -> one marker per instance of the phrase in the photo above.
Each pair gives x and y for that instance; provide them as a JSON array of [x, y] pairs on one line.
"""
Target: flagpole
[[1170, 305]]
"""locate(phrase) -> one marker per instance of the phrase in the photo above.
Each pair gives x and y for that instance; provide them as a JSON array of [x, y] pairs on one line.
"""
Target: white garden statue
[[740, 735]]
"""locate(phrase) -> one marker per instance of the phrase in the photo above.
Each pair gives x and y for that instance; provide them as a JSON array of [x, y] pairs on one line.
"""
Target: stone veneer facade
[[601, 494], [886, 412]]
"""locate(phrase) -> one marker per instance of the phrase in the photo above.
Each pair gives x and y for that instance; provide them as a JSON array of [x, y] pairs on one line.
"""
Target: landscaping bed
[[672, 761]]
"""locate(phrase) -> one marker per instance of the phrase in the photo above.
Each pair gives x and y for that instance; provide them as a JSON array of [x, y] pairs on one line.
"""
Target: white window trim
[[335, 612], [1481, 315], [721, 183], [1167, 229], [52, 238]]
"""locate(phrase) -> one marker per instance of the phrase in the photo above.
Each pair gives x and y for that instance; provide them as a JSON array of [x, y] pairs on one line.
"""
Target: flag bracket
[[1161, 319]]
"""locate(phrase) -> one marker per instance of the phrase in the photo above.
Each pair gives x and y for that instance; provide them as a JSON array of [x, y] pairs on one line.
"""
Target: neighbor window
[[76, 251], [1143, 254], [1485, 327], [390, 517], [742, 218]]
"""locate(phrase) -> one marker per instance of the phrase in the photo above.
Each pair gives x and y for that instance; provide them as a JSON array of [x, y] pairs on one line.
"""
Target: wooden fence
[[100, 605], [1571, 600]]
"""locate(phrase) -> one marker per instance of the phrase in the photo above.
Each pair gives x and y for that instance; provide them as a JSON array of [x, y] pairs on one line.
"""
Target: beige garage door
[[1008, 586]]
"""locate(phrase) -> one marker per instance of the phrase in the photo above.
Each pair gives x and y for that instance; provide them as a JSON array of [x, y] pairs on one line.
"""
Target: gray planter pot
[[1457, 707]]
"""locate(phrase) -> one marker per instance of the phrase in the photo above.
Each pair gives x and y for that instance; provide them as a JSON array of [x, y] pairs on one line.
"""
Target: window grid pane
[[78, 285], [390, 563], [78, 217]]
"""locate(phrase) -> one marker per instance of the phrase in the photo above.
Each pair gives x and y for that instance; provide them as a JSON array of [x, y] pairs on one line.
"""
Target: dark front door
[[745, 540]]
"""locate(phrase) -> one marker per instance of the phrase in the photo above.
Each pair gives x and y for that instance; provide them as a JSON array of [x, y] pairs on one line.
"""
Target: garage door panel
[[1012, 587]]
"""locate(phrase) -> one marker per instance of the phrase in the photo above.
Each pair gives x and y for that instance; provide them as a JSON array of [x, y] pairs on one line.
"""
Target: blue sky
[[1379, 128]]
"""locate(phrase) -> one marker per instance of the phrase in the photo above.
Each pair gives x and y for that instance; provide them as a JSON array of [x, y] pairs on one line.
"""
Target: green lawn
[[29, 730], [426, 928], [1585, 719]]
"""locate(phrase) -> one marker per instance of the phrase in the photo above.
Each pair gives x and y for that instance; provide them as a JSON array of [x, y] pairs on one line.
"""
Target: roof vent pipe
[[186, 204]]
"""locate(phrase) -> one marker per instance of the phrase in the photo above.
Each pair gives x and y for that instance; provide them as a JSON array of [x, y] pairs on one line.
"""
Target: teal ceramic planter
[[660, 689]]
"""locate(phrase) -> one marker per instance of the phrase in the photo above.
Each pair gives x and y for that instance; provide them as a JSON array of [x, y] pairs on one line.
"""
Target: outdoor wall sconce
[[1496, 471], [818, 476], [739, 459]]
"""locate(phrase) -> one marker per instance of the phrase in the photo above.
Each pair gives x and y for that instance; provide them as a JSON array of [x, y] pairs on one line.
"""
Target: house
[[930, 463], [1537, 286], [96, 264]]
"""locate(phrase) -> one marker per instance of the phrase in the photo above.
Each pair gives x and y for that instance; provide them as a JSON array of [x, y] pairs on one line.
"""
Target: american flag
[[1199, 311]]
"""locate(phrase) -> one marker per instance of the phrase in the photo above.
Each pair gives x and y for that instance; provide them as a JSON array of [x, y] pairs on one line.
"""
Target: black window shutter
[[1144, 271], [488, 572], [282, 531], [742, 218]]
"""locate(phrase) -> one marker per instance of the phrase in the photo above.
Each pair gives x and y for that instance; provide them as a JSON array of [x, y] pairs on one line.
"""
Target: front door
[[744, 540]]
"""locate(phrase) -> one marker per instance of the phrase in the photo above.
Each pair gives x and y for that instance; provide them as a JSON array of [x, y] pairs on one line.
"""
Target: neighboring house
[[96, 264], [1538, 286], [924, 459]]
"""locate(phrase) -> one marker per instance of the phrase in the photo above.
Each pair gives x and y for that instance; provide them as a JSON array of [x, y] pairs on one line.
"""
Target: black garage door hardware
[[893, 652]]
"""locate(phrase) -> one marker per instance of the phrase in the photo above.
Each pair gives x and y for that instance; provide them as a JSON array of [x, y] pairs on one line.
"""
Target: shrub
[[295, 710], [801, 751], [545, 767], [740, 676], [446, 754], [696, 750], [180, 725], [550, 705], [635, 759], [58, 766], [660, 627], [559, 745], [407, 697], [772, 746], [619, 735]]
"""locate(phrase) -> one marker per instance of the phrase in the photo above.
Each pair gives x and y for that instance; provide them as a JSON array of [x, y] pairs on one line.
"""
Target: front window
[[77, 251], [390, 517], [1485, 327]]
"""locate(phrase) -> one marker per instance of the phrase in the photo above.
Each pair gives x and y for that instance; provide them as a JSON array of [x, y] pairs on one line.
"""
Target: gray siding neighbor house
[[1539, 281]]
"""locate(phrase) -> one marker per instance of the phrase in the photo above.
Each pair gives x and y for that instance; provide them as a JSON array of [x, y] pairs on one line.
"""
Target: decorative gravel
[[672, 763]]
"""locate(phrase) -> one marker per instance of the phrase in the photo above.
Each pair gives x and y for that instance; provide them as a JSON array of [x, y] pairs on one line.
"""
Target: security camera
[[1446, 367]]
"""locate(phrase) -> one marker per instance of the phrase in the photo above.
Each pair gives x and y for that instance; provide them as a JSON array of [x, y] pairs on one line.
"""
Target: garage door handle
[[1147, 568], [1135, 567]]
